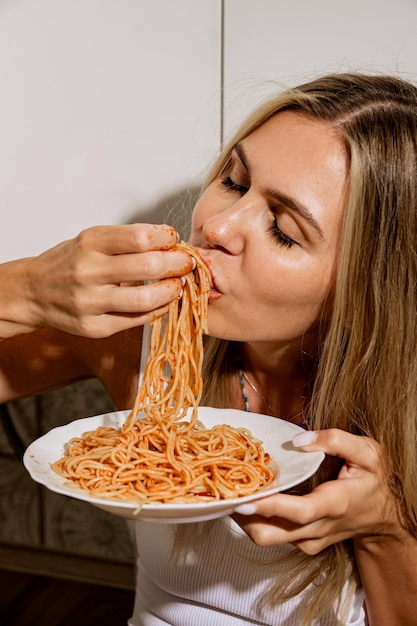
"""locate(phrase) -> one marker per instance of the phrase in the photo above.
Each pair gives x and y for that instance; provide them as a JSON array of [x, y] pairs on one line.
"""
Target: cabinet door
[[109, 110]]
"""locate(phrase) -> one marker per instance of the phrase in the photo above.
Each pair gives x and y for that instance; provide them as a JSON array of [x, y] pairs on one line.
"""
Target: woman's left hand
[[358, 502]]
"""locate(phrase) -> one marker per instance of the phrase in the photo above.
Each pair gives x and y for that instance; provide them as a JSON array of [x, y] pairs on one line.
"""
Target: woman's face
[[268, 230]]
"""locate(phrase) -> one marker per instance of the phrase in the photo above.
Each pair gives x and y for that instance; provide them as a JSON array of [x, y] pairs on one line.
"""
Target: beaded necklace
[[242, 377]]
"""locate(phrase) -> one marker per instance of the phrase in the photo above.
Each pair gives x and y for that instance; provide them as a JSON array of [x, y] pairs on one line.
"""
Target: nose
[[229, 227]]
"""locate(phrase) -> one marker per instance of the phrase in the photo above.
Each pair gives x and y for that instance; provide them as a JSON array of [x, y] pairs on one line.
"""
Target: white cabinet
[[108, 110]]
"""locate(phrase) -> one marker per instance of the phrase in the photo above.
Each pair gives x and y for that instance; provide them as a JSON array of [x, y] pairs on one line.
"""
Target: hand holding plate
[[358, 503]]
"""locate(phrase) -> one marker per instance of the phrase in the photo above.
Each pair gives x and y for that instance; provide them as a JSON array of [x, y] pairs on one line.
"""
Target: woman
[[308, 225]]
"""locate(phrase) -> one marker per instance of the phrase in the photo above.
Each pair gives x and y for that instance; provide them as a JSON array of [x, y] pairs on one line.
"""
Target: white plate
[[295, 466]]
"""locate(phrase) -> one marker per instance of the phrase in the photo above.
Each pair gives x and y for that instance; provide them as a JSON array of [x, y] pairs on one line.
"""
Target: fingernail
[[183, 280], [304, 439], [246, 509]]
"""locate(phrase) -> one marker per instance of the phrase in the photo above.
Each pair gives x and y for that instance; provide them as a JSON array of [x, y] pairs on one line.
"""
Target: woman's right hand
[[92, 285]]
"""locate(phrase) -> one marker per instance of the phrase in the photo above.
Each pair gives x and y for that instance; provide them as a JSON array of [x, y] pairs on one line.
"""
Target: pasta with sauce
[[162, 453]]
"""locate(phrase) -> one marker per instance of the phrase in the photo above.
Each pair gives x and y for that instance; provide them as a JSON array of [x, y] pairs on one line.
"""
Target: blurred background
[[110, 112]]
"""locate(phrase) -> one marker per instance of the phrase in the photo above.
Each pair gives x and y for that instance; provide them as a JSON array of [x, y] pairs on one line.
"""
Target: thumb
[[355, 449]]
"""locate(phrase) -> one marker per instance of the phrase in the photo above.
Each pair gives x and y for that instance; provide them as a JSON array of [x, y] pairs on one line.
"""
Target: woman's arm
[[388, 570], [47, 359], [102, 286], [357, 505], [90, 285]]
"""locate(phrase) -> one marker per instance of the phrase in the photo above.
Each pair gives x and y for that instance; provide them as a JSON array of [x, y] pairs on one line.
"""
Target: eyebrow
[[283, 199]]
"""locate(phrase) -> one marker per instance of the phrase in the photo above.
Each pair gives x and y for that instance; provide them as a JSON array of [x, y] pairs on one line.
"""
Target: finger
[[263, 532], [300, 510], [145, 266], [310, 538], [356, 450], [128, 238], [126, 299], [294, 522], [269, 531], [141, 299], [107, 324]]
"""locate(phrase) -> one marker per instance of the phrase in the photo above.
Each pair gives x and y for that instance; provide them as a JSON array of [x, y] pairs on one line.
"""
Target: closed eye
[[230, 184], [274, 229], [279, 236]]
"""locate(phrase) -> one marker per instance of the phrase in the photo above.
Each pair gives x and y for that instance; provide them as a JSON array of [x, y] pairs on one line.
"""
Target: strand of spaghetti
[[191, 300]]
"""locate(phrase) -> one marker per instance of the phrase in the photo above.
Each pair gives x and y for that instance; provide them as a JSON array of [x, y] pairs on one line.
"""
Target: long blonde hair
[[365, 379]]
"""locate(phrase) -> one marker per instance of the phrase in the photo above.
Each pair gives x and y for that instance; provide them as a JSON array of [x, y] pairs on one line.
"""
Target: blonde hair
[[365, 378]]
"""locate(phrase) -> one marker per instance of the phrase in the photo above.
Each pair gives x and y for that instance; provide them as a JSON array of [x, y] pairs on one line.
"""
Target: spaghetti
[[158, 455]]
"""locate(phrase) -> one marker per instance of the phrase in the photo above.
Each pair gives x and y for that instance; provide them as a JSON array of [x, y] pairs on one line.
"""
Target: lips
[[214, 293]]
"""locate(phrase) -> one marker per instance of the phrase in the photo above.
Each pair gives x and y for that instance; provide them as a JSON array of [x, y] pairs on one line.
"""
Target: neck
[[277, 385]]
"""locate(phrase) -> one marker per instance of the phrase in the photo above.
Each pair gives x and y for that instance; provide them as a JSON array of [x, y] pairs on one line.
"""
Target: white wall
[[109, 108], [277, 40]]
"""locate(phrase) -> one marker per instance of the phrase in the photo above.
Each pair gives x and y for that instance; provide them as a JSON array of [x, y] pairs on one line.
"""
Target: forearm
[[17, 315], [37, 362], [104, 281], [388, 570], [48, 359]]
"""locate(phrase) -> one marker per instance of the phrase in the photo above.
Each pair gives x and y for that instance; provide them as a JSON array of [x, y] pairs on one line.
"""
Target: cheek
[[301, 288]]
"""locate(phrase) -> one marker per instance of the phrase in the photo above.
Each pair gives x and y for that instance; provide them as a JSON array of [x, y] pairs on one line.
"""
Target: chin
[[225, 324], [226, 332]]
